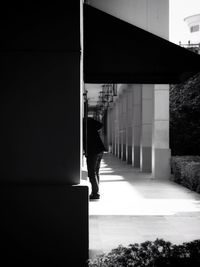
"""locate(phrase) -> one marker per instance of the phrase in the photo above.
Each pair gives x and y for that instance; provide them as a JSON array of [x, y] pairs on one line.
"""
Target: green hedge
[[184, 117], [158, 253], [186, 171]]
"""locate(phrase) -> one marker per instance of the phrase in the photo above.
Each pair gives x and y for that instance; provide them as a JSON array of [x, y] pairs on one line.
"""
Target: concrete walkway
[[135, 208]]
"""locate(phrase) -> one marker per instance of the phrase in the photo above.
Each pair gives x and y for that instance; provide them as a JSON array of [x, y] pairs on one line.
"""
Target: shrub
[[192, 176], [184, 117], [158, 253], [186, 171]]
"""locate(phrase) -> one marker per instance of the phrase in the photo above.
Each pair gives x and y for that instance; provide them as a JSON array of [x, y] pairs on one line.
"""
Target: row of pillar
[[138, 127]]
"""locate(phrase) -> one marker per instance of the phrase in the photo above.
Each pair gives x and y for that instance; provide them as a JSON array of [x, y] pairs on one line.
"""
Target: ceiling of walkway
[[118, 52]]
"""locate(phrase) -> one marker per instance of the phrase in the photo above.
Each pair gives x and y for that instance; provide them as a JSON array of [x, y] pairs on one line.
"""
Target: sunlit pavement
[[134, 208]]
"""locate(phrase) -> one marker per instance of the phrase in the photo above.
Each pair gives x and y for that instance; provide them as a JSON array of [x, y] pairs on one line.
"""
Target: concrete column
[[110, 126], [108, 129], [43, 213], [146, 134], [136, 124], [160, 138], [120, 128], [113, 130], [129, 110], [124, 125], [117, 135]]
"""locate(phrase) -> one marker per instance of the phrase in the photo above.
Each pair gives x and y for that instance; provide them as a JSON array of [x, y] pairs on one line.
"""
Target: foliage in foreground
[[158, 253]]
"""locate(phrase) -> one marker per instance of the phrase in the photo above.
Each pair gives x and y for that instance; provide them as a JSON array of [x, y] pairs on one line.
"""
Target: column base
[[124, 153], [146, 159], [161, 163], [136, 157], [129, 154]]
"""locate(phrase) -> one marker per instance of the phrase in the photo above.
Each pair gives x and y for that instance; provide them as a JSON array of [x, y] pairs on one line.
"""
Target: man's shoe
[[94, 196]]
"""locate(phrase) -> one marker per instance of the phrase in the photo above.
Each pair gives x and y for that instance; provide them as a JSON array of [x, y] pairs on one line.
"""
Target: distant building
[[193, 23]]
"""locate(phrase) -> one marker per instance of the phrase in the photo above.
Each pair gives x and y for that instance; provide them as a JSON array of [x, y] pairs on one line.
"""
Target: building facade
[[193, 23]]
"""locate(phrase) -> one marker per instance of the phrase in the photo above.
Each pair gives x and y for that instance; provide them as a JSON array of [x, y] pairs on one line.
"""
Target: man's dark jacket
[[92, 143]]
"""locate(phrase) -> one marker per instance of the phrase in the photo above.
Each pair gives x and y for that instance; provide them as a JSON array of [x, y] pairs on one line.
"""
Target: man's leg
[[98, 163], [91, 164]]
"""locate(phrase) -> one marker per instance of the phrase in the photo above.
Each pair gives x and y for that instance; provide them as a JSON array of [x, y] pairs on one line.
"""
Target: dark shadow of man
[[93, 149]]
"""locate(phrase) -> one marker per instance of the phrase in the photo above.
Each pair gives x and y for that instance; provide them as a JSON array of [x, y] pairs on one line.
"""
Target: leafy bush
[[158, 253], [184, 117], [186, 171]]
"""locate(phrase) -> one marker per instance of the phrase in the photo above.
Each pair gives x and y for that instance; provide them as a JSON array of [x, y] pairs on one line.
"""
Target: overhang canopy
[[118, 52]]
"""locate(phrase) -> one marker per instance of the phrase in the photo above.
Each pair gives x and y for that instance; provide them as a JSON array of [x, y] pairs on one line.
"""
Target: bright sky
[[178, 10]]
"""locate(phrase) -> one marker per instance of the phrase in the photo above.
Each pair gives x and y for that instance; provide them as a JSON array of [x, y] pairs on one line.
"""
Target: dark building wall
[[43, 225], [40, 117], [40, 59], [40, 136]]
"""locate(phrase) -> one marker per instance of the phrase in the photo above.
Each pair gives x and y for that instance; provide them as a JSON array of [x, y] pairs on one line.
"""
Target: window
[[194, 28]]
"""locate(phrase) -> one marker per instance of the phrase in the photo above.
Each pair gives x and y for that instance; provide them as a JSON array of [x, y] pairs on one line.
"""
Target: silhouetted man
[[93, 148]]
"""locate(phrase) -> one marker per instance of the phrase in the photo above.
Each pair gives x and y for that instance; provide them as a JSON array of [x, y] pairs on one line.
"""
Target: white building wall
[[150, 15], [193, 21]]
